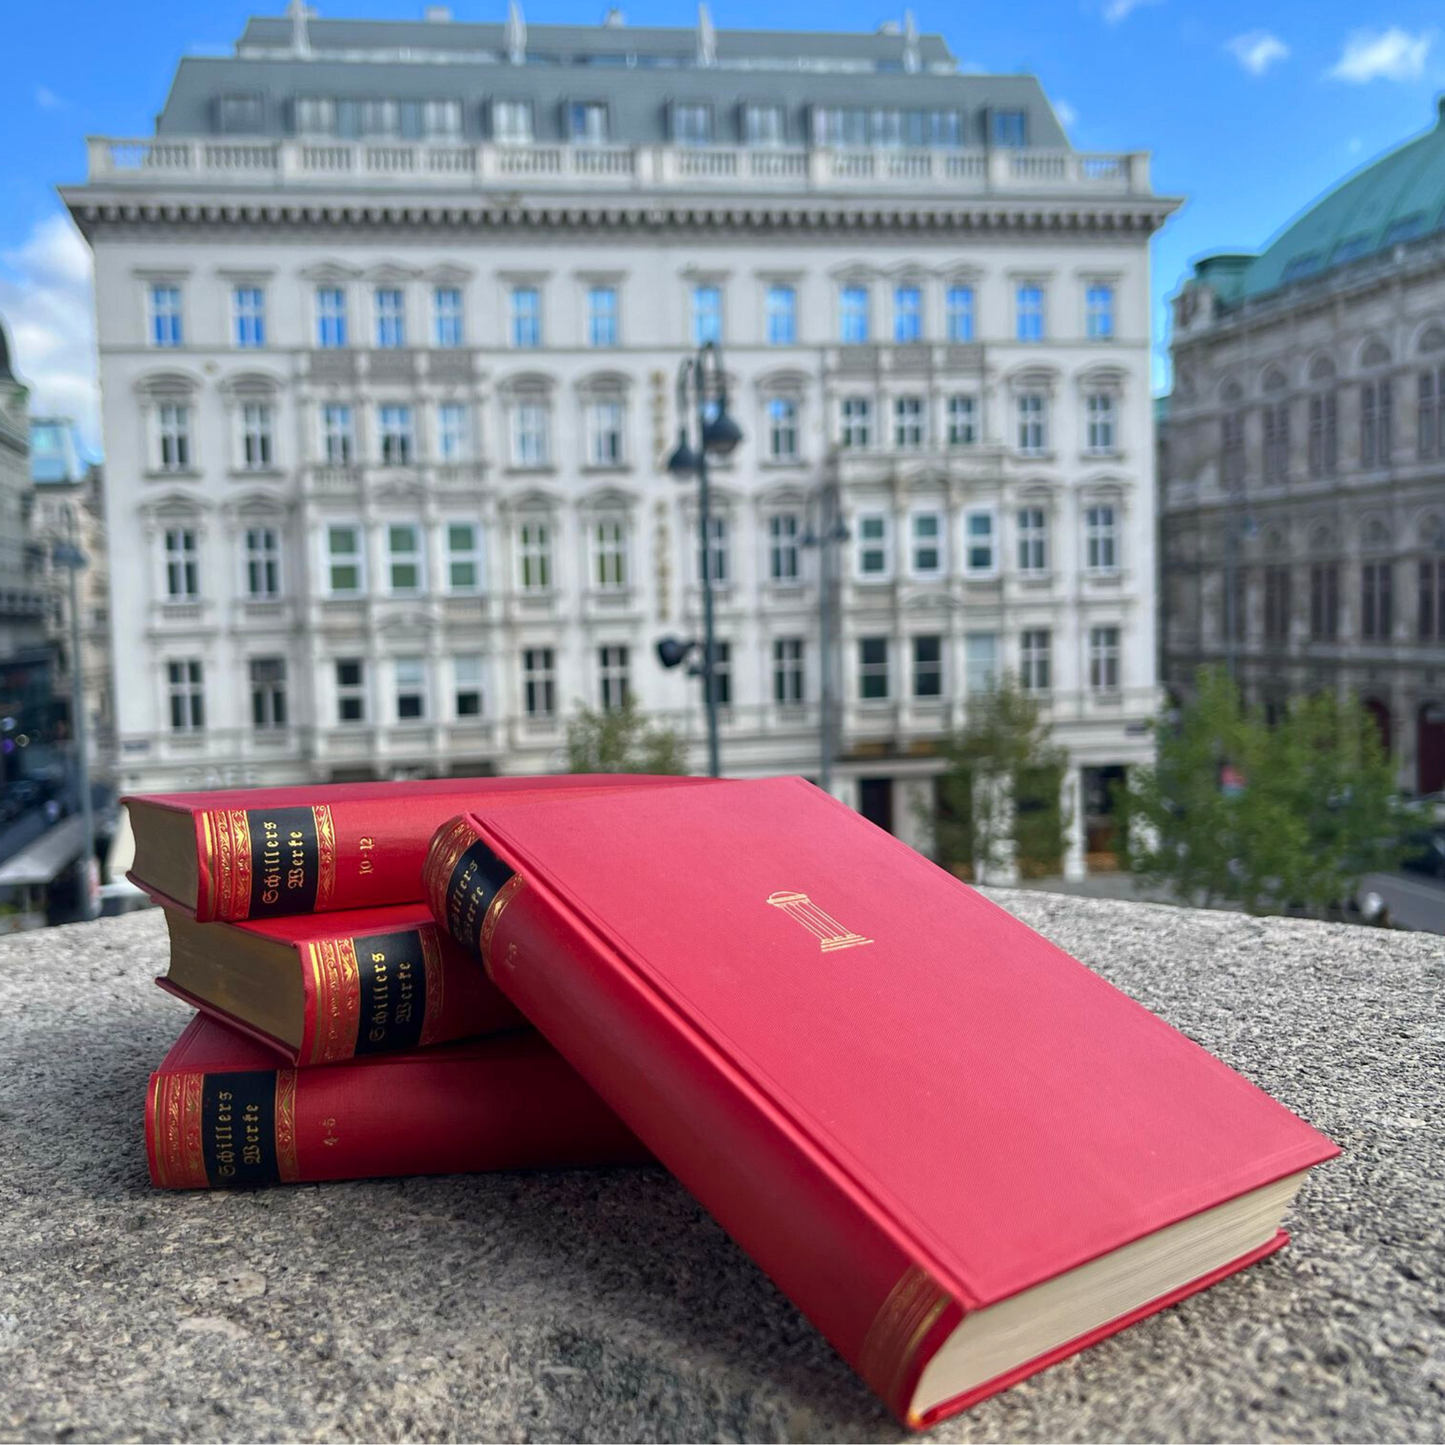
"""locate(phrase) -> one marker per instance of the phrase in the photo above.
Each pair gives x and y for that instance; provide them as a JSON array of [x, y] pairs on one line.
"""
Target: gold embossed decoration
[[831, 934]]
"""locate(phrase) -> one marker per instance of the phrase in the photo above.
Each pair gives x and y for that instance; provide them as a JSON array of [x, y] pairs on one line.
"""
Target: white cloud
[[47, 99], [1257, 50], [1392, 54], [1116, 11], [1068, 116], [45, 299]]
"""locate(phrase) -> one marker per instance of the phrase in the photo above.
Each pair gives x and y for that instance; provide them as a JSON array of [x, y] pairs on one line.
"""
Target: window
[[722, 673], [166, 325], [467, 685], [1429, 409], [526, 317], [907, 314], [587, 123], [788, 676], [378, 117], [612, 677], [185, 685], [173, 436], [1376, 424], [1034, 644], [268, 693], [763, 125], [410, 689], [692, 125], [448, 327], [1033, 423], [910, 423], [248, 309], [1029, 312], [873, 669], [1276, 603], [454, 432], [783, 555], [405, 569], [263, 563], [857, 429], [958, 307], [962, 420], [1101, 546], [928, 666], [602, 316], [442, 119], [315, 115], [350, 690], [783, 429], [1432, 599], [1376, 603], [390, 318], [978, 541], [840, 125], [980, 662], [1232, 449], [1033, 541], [706, 314], [926, 544], [337, 439], [782, 323], [240, 115], [345, 567], [1010, 128], [1099, 311], [609, 554], [512, 122], [718, 555], [539, 682], [396, 436], [530, 427], [1324, 601], [464, 557], [183, 582], [853, 315], [1099, 436], [257, 431], [534, 555], [874, 560], [1324, 435], [330, 317], [1104, 659], [1276, 442], [604, 434]]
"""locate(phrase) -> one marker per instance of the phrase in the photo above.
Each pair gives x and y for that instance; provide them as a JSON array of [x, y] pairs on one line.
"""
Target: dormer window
[[840, 126], [240, 115], [512, 122], [315, 115], [763, 125], [692, 125], [587, 122], [1010, 128]]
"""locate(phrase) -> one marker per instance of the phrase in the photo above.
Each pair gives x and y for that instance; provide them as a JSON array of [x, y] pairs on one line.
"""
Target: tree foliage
[[1289, 816], [622, 740]]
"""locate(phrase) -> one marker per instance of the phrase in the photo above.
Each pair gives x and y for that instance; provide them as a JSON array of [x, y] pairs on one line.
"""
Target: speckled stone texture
[[608, 1306]]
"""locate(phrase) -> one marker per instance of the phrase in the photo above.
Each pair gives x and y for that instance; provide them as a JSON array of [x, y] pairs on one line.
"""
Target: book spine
[[216, 1129], [818, 1238], [389, 993]]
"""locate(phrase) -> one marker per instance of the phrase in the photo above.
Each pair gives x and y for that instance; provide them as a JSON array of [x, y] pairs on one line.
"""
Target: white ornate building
[[390, 315]]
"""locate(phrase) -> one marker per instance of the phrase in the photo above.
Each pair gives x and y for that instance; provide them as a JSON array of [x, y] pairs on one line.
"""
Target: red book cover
[[271, 852], [371, 981], [220, 1114], [959, 1151]]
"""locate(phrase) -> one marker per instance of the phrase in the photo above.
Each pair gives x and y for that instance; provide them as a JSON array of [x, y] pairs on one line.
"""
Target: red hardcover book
[[271, 852], [326, 987], [960, 1152], [219, 1113]]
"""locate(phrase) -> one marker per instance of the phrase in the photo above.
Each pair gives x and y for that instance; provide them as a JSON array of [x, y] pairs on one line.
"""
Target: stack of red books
[[961, 1153]]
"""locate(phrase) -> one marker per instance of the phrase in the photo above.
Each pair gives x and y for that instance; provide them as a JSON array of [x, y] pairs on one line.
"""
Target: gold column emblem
[[831, 934]]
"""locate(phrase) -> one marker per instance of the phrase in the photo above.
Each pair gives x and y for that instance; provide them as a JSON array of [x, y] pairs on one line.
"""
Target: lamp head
[[672, 651], [683, 461], [721, 434]]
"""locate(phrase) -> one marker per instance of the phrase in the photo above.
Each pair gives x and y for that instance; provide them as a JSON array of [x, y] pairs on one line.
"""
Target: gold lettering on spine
[[286, 1164], [505, 894], [431, 962], [337, 988], [180, 1159], [898, 1331], [325, 857]]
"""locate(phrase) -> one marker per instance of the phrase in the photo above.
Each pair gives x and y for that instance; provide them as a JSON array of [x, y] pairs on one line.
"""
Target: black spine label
[[284, 861], [391, 968], [238, 1129], [477, 879]]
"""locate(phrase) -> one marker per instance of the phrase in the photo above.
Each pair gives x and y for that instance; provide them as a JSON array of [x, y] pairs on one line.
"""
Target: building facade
[[390, 317], [1302, 462]]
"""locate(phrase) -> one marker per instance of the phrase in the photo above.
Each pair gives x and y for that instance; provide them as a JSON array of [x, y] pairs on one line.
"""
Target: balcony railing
[[420, 164]]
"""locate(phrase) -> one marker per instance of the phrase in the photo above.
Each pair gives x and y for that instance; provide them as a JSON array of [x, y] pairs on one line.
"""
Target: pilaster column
[[1072, 800]]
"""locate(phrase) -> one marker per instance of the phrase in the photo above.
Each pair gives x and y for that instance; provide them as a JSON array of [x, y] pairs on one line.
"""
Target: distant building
[[1302, 461]]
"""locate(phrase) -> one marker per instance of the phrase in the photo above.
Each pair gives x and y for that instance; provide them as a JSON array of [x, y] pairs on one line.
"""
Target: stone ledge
[[607, 1305]]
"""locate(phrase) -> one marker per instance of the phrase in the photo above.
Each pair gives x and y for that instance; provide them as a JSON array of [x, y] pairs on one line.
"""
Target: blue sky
[[1250, 109]]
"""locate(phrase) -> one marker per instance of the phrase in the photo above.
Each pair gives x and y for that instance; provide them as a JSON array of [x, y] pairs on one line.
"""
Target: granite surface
[[607, 1305]]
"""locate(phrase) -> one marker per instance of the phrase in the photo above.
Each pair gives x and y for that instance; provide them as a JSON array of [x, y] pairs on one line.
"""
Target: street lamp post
[[719, 435], [67, 554], [831, 531]]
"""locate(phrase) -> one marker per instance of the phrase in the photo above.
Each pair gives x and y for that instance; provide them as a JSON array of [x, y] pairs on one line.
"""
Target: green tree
[[622, 740], [999, 796]]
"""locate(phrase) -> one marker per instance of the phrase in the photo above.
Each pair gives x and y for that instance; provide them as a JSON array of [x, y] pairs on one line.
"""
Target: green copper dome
[[1399, 197]]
